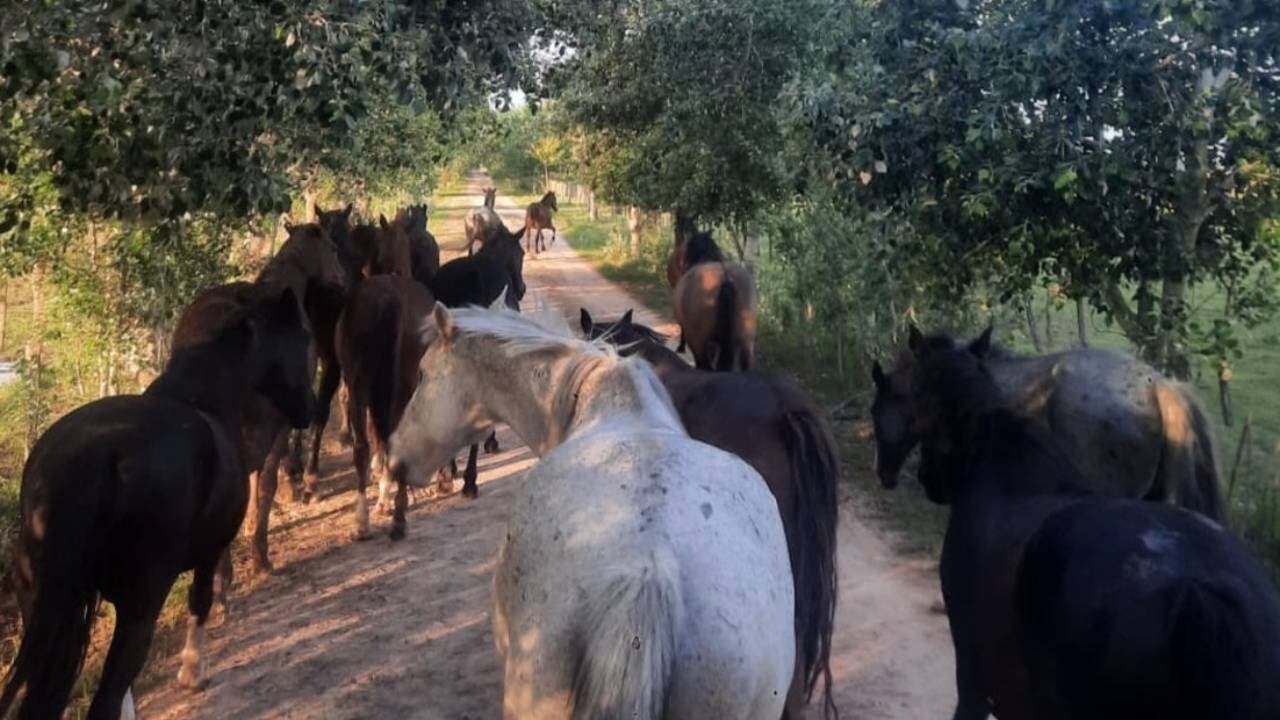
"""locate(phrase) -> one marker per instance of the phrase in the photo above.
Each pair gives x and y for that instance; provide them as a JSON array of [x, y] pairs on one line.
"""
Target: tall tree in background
[[1128, 150], [676, 100]]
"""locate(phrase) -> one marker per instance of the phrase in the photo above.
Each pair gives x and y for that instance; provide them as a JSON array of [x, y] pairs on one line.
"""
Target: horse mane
[[522, 334]]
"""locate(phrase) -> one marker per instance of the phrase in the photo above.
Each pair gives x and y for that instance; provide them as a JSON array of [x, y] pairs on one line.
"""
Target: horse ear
[[444, 322], [347, 210], [286, 308], [877, 374], [982, 345], [626, 317], [915, 339], [382, 220], [288, 227], [584, 319], [500, 302], [319, 210]]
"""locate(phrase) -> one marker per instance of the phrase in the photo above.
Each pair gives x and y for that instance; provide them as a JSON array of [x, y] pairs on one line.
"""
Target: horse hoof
[[470, 490], [397, 532], [491, 446], [189, 678], [361, 535]]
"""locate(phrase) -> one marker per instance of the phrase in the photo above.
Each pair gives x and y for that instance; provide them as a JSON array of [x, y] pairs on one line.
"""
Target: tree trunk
[[309, 205], [1032, 330], [4, 312], [1081, 330], [635, 221], [1048, 321], [593, 213]]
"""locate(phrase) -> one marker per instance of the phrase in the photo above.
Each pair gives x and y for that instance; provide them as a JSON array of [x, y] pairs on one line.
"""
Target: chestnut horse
[[537, 217], [778, 430]]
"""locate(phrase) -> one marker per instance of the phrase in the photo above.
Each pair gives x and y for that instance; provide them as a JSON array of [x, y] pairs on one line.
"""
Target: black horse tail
[[55, 637], [815, 473], [384, 377], [1188, 470], [726, 323], [1217, 665]]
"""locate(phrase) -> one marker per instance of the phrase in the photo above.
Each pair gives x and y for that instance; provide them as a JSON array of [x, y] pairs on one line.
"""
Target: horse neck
[[1010, 457], [285, 271], [215, 378], [662, 358], [559, 393]]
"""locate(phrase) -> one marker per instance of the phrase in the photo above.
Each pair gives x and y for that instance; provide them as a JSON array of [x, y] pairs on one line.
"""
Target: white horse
[[643, 574]]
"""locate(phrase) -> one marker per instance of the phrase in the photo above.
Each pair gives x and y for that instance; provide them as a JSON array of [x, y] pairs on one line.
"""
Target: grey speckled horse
[[1131, 431]]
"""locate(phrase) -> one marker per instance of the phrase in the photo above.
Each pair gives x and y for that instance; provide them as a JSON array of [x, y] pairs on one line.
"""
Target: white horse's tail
[[626, 642]]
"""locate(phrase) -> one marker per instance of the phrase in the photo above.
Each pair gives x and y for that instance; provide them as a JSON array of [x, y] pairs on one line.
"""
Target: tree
[[1127, 150], [676, 101], [547, 150]]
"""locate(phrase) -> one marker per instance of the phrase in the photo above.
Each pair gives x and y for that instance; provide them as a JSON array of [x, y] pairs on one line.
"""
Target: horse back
[[1131, 609]]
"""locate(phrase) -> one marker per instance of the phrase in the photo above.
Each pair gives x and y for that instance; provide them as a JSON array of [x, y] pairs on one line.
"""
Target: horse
[[496, 271], [1132, 432], [537, 217], [676, 263], [122, 495], [1066, 604], [642, 574], [379, 345], [715, 306], [781, 434], [313, 267], [424, 251], [483, 222]]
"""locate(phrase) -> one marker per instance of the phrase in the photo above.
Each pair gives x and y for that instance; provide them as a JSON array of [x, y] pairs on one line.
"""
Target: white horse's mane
[[524, 333]]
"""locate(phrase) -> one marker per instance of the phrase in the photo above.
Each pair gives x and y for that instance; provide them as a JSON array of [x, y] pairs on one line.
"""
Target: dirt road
[[377, 629]]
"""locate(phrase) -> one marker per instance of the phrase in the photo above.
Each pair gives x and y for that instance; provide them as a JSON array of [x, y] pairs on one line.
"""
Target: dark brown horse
[[122, 495], [424, 251], [715, 305], [1132, 432], [310, 265], [537, 217], [1064, 604], [769, 422], [690, 248], [380, 343]]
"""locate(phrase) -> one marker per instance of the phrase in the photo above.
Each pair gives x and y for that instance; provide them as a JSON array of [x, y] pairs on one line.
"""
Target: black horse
[[478, 280], [122, 495], [1068, 605]]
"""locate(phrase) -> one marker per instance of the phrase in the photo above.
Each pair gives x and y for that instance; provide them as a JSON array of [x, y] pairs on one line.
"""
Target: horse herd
[[673, 553]]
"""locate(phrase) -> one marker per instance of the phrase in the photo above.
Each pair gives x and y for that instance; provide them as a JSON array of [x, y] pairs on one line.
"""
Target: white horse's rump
[[643, 574]]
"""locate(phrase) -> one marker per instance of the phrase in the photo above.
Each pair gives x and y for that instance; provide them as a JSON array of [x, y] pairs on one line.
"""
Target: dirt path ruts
[[402, 630]]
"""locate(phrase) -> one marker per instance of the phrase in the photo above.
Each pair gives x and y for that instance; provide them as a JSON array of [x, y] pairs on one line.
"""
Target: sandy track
[[378, 629]]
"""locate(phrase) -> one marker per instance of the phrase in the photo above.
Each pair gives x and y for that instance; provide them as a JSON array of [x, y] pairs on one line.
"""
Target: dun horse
[[715, 305], [483, 222], [122, 495], [313, 268], [649, 570], [537, 217], [1067, 605], [1132, 432], [766, 420]]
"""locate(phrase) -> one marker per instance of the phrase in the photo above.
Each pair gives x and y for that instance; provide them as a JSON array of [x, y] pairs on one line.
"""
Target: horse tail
[[726, 322], [1214, 654], [55, 637], [815, 472], [626, 645], [382, 382], [1188, 470]]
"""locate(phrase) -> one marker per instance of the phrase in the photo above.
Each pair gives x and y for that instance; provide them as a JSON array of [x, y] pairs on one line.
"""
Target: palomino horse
[[122, 495], [497, 270], [424, 251], [1067, 605], [642, 574], [483, 222], [782, 435], [1132, 432], [379, 345], [715, 305], [537, 217], [312, 267]]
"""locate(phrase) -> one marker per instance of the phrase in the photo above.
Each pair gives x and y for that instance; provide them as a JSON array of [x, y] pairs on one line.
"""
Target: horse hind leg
[[265, 497], [491, 444], [192, 670], [360, 457], [398, 523], [130, 642], [470, 488], [330, 378]]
